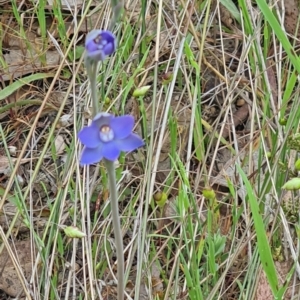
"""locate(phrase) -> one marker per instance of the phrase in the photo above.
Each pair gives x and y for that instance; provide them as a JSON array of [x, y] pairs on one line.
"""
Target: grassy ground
[[203, 210]]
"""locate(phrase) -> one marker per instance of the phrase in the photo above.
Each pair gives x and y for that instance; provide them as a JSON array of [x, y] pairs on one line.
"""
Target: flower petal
[[99, 44], [110, 151], [109, 49], [132, 142], [90, 39], [107, 36], [102, 119], [91, 156], [122, 126], [90, 136], [109, 42]]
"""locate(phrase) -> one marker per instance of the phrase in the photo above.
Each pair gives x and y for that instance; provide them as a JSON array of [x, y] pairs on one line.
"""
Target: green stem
[[116, 225], [94, 94], [116, 6]]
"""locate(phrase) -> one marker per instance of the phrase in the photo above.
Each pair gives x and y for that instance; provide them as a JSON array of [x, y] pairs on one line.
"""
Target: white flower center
[[106, 134]]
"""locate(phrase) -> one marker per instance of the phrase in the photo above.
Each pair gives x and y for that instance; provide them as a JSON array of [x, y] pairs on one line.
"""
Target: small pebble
[[12, 150]]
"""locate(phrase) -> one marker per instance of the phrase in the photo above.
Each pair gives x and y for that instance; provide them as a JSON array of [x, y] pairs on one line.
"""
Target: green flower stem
[[94, 93], [116, 225], [91, 68]]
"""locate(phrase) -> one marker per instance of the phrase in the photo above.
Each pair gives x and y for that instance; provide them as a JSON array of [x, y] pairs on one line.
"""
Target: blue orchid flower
[[99, 44], [106, 137]]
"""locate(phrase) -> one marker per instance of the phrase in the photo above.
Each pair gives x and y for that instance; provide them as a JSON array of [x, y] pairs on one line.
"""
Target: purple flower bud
[[99, 44], [106, 137]]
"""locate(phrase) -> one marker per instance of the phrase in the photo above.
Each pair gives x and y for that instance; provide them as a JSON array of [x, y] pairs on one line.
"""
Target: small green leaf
[[74, 232], [78, 52], [232, 9], [293, 184], [10, 197]]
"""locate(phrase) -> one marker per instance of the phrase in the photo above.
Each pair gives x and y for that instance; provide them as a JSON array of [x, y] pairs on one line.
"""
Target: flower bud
[[293, 184], [209, 193], [160, 199], [297, 165], [74, 232], [141, 91]]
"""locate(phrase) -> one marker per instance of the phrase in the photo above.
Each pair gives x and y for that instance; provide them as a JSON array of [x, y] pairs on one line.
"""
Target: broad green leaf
[[21, 82]]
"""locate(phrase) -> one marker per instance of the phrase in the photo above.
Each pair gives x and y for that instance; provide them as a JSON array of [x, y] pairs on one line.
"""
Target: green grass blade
[[232, 9], [21, 82], [280, 33], [262, 240]]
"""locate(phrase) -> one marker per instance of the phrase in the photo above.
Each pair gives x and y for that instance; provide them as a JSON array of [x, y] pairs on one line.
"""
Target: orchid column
[[107, 136]]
